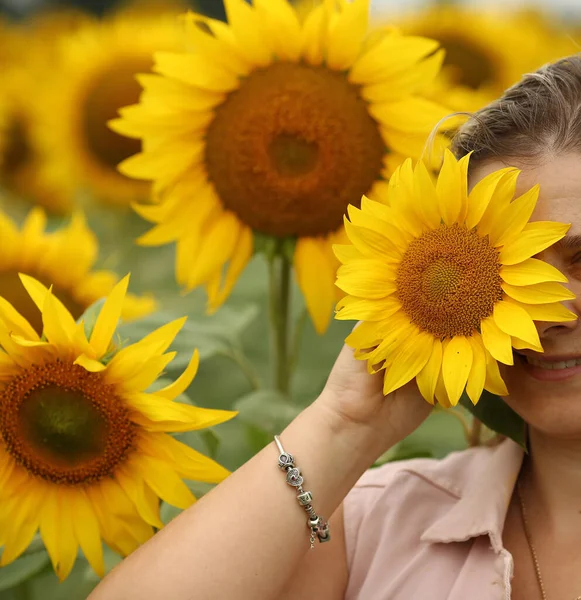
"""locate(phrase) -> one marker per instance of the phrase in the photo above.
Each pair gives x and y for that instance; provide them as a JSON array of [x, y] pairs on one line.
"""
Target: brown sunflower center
[[113, 89], [17, 152], [471, 65], [64, 424], [11, 289], [449, 280], [291, 148]]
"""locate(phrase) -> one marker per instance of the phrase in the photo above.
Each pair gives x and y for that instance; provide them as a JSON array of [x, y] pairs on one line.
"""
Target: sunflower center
[[449, 280], [18, 151], [291, 148], [64, 424], [11, 289], [115, 88], [472, 66]]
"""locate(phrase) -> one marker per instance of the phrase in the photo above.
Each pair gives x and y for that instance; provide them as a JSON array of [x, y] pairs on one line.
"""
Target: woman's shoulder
[[450, 474]]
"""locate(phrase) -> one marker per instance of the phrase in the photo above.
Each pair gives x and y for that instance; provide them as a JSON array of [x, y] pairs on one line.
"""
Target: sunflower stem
[[279, 280], [475, 432]]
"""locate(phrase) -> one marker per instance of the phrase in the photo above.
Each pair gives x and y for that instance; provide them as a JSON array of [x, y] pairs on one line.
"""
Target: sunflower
[[84, 450], [274, 124], [25, 173], [98, 64], [446, 282], [486, 51], [64, 259]]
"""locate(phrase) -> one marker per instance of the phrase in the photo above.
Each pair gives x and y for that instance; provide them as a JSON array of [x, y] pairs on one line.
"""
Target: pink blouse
[[427, 529]]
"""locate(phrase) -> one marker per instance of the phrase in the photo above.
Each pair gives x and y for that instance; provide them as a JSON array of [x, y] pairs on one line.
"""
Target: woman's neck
[[552, 475]]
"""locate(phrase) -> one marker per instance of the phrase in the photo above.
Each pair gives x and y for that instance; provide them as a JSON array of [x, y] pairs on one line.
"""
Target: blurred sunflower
[[63, 259], [486, 51], [26, 52], [445, 281], [84, 449], [97, 72], [274, 124]]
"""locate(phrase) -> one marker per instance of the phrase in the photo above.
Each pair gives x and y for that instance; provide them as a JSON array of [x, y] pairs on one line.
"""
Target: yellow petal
[[531, 271], [360, 309], [347, 34], [371, 243], [108, 318], [411, 358], [539, 293], [164, 482], [515, 321], [456, 365], [315, 275], [192, 69], [371, 279], [499, 202], [282, 27], [133, 485], [181, 384], [15, 322], [393, 54], [441, 393], [480, 196], [148, 373], [185, 460], [496, 341], [552, 312], [426, 196], [494, 382], [86, 529], [220, 288], [38, 293], [477, 376], [246, 25], [89, 364], [314, 35], [512, 221], [535, 238], [427, 378], [449, 189], [164, 415]]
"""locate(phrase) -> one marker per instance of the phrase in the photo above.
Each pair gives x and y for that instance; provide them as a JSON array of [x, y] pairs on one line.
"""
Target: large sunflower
[[64, 259], [274, 124], [96, 76], [84, 449], [486, 51], [445, 281]]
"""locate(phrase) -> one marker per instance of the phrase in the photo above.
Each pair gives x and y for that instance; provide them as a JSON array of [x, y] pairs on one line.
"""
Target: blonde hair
[[534, 120]]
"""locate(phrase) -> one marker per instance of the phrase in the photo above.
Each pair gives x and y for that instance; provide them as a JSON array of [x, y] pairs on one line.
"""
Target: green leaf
[[497, 415], [22, 569], [266, 410], [212, 442]]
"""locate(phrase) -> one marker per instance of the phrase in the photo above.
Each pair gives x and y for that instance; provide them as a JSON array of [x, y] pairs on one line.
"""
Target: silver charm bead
[[293, 477], [305, 498], [286, 460], [315, 522]]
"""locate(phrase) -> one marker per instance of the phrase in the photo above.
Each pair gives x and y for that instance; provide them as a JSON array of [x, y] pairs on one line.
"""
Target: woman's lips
[[550, 369]]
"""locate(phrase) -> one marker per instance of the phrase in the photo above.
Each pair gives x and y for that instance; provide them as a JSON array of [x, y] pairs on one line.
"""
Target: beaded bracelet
[[318, 526]]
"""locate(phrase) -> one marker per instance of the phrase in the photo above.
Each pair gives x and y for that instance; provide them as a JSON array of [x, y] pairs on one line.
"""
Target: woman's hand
[[355, 397]]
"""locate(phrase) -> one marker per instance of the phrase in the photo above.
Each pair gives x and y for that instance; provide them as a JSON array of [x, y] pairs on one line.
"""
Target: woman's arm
[[248, 537]]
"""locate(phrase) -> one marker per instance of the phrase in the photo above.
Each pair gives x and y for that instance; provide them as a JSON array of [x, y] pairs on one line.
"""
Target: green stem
[[297, 340], [245, 366], [279, 296]]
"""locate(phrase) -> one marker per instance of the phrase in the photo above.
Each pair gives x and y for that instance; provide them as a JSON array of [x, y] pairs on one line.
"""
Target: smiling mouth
[[550, 365]]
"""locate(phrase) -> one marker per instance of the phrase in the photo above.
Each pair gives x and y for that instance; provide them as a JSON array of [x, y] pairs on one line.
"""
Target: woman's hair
[[536, 119]]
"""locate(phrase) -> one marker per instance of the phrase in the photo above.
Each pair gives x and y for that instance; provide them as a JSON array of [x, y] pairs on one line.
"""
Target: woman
[[481, 524]]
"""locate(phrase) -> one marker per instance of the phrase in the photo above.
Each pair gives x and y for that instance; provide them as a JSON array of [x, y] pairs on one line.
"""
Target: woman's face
[[548, 397]]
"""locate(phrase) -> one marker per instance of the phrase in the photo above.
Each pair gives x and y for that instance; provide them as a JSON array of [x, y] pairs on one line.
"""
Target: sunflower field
[[197, 206]]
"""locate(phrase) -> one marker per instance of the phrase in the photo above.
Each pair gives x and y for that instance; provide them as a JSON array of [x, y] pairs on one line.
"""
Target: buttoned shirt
[[427, 529]]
